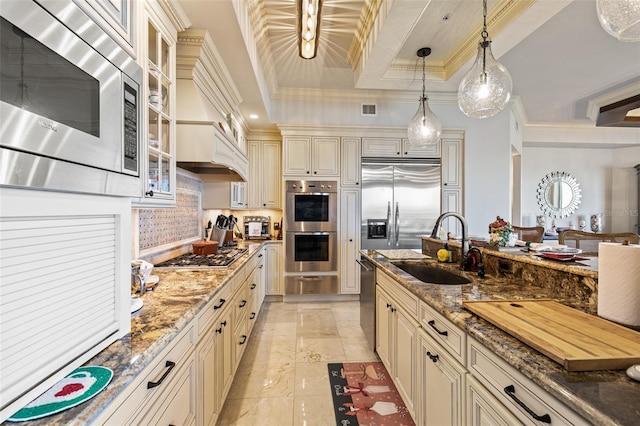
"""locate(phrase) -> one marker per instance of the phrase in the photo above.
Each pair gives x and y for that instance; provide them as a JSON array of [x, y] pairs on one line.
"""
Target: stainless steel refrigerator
[[400, 202]]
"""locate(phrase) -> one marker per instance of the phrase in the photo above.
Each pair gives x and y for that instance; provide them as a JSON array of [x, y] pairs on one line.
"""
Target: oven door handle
[[308, 278], [364, 265]]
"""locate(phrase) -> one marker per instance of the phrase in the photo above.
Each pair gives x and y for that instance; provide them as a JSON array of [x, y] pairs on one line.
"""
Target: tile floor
[[282, 378]]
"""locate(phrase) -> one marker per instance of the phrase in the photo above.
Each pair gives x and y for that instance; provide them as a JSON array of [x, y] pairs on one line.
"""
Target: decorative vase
[[596, 222], [500, 233], [541, 220], [582, 224]]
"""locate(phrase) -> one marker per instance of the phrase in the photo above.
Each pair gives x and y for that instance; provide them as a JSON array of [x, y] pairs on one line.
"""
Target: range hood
[[205, 144]]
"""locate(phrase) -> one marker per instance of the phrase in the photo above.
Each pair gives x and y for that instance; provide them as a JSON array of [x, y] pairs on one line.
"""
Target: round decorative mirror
[[558, 195]]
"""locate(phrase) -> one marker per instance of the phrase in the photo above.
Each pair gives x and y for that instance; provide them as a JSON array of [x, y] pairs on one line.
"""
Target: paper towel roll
[[619, 283]]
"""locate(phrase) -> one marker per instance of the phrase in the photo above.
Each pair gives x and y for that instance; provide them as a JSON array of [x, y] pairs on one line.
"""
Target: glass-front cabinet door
[[160, 115]]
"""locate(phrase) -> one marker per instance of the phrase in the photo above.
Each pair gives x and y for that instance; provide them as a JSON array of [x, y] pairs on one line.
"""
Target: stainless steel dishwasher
[[368, 300]]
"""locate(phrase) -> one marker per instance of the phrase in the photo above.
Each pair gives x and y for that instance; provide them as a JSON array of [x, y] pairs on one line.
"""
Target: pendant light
[[425, 128], [308, 27], [486, 88], [620, 18]]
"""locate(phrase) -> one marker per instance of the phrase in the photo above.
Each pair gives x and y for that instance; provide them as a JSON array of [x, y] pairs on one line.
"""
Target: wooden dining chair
[[588, 241], [534, 234]]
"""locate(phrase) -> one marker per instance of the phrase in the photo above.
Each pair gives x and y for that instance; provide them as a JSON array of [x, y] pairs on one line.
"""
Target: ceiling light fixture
[[308, 27], [486, 88], [425, 128], [620, 18]]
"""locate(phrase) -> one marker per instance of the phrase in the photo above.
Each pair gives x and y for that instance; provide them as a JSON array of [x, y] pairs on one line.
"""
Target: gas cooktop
[[222, 259]]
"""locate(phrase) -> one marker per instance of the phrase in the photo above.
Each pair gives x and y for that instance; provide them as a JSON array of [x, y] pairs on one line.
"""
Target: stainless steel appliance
[[311, 206], [222, 259], [70, 116], [400, 202], [311, 251], [368, 300], [311, 237], [257, 227]]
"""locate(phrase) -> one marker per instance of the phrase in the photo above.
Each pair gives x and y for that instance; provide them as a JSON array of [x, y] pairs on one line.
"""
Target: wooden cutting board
[[576, 340]]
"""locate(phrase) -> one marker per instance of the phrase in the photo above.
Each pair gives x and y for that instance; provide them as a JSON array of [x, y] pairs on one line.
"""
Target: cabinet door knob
[[307, 171], [350, 240], [398, 153], [315, 173], [253, 286], [434, 358], [388, 305], [149, 193]]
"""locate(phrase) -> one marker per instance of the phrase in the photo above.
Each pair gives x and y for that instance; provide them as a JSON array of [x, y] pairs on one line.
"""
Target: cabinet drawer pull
[[432, 323], [253, 315], [388, 305], [244, 339], [253, 286], [169, 365], [511, 391], [393, 309], [434, 358], [260, 255], [242, 304], [219, 305]]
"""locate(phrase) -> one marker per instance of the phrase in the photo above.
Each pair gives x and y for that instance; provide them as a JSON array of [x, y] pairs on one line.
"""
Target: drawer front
[[484, 409], [526, 400], [402, 296], [159, 375], [208, 315], [176, 405], [241, 306], [452, 338]]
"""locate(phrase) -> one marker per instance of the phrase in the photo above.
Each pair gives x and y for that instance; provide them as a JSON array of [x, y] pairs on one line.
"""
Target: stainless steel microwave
[[70, 114]]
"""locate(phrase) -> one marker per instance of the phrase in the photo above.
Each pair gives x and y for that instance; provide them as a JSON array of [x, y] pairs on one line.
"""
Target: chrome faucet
[[465, 241]]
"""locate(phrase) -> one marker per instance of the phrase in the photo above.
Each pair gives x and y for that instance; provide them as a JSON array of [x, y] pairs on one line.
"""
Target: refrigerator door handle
[[397, 223], [389, 223]]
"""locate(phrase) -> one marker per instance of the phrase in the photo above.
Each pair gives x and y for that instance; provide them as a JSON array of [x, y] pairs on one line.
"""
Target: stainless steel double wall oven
[[311, 237]]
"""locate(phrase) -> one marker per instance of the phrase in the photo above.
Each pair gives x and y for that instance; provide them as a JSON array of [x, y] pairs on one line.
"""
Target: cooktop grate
[[222, 259]]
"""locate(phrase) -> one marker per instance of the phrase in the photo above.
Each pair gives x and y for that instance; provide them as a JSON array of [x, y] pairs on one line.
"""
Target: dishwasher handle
[[364, 265]]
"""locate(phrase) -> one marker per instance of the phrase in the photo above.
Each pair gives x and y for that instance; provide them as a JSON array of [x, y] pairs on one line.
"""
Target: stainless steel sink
[[431, 274]]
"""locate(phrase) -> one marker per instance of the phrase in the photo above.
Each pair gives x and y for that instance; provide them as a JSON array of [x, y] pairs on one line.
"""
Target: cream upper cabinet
[[350, 175], [311, 156], [397, 147], [429, 151], [264, 189], [349, 241], [452, 180], [115, 17], [158, 135]]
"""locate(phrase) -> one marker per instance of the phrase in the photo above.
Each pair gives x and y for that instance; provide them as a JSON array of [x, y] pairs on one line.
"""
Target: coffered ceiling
[[562, 62]]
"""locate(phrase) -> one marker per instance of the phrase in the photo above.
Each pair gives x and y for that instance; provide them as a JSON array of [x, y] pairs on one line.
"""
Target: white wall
[[606, 176]]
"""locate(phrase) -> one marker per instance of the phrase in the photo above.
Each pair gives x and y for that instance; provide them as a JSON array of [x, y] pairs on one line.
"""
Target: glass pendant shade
[[485, 91], [620, 18], [424, 128]]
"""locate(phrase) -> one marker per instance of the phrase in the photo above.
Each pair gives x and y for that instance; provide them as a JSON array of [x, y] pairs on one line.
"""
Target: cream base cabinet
[[483, 409], [396, 336], [273, 270], [311, 156], [441, 385], [349, 241]]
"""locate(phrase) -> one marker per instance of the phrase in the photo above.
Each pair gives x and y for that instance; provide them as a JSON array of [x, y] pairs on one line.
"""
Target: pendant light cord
[[424, 97], [485, 36]]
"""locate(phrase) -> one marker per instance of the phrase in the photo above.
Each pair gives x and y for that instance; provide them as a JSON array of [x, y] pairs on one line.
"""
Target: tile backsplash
[[161, 230]]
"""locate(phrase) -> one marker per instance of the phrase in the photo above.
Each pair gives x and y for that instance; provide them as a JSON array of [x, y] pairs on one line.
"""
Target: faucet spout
[[465, 240]]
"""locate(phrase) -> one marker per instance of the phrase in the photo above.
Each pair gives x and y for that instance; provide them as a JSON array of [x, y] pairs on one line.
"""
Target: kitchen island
[[600, 397]]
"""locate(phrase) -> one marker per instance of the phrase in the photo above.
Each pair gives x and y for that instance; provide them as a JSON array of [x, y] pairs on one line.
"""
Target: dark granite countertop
[[602, 397], [177, 299]]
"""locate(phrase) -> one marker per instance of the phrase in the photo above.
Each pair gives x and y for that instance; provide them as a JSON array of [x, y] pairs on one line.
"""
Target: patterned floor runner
[[364, 394]]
